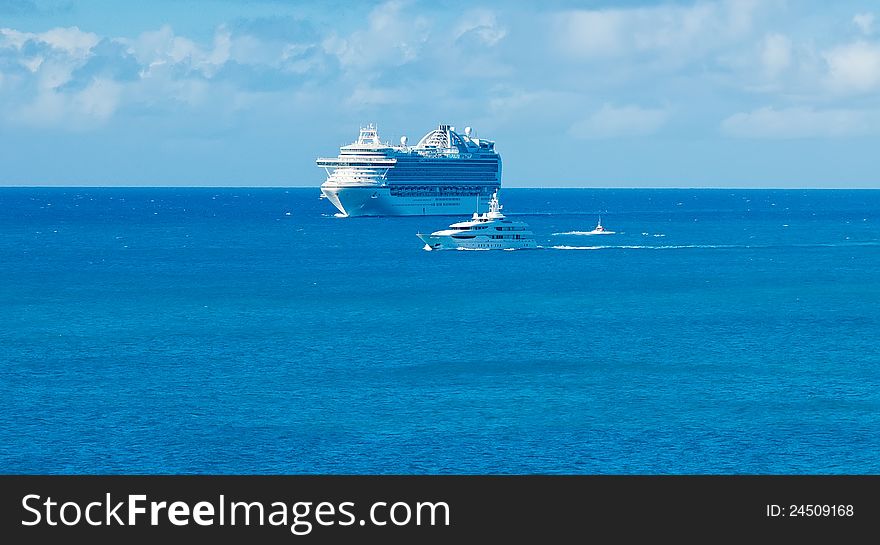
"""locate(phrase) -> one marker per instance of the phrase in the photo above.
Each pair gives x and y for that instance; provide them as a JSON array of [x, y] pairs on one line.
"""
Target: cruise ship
[[446, 173]]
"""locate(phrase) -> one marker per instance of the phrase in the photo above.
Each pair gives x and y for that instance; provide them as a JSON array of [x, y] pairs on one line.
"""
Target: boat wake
[[584, 233], [427, 248], [717, 246], [644, 247], [578, 247]]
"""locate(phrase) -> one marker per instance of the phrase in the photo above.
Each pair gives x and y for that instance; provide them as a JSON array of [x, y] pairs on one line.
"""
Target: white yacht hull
[[378, 201], [434, 242]]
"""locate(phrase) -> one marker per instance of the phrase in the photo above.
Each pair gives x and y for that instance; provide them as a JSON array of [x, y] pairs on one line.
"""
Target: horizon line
[[722, 188]]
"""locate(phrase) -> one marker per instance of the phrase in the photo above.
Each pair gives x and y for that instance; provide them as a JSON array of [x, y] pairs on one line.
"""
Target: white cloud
[[222, 47], [739, 15], [164, 91], [365, 95], [614, 122], [791, 123], [163, 47], [775, 54], [517, 104], [295, 59], [392, 38], [160, 46], [52, 73], [13, 38], [248, 49], [71, 79], [514, 101], [865, 22], [32, 64], [593, 33], [70, 40], [854, 67], [46, 108], [98, 101], [481, 24], [51, 56], [660, 30], [83, 109]]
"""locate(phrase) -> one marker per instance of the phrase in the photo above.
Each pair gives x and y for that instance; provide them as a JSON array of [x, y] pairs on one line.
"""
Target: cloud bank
[[709, 70]]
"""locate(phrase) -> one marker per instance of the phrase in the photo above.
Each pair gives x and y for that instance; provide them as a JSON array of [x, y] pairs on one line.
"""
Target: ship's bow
[[431, 242], [332, 194]]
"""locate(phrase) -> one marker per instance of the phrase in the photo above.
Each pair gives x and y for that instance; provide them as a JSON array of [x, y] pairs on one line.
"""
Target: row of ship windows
[[420, 169], [419, 204], [488, 189], [424, 194], [398, 175], [441, 154], [446, 164], [489, 157], [398, 163], [464, 163], [430, 203], [420, 174], [463, 178], [466, 183], [441, 171], [480, 227], [495, 237], [442, 176], [445, 180], [455, 196], [401, 184]]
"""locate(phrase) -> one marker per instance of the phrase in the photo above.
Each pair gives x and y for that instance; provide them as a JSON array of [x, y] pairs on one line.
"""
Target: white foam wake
[[718, 246], [578, 247], [583, 233], [642, 247]]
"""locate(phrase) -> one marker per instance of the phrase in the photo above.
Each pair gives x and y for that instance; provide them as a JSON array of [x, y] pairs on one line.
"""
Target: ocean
[[243, 331]]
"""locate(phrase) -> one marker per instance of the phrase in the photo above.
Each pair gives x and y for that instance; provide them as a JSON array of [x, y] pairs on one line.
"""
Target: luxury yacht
[[487, 231]]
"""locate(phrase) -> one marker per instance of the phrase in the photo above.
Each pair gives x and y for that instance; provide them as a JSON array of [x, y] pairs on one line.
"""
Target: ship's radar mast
[[369, 135], [495, 206]]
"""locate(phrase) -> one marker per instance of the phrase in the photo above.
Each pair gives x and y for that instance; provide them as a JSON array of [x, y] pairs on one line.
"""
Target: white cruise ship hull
[[378, 201]]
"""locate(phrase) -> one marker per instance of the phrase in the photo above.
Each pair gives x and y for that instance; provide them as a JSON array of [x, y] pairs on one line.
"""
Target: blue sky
[[726, 93]]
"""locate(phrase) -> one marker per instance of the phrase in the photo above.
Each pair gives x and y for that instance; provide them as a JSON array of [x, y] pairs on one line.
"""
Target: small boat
[[488, 231], [599, 230]]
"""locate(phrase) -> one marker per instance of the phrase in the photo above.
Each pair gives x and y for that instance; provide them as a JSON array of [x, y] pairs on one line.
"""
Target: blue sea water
[[251, 331]]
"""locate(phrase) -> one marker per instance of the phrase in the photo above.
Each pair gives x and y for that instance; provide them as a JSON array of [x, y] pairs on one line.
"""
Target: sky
[[711, 93]]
